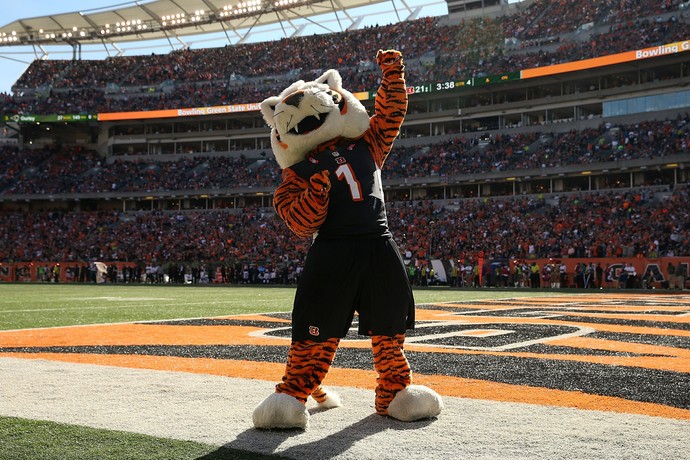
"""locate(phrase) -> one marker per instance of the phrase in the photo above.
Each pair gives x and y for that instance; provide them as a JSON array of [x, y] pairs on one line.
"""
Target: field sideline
[[24, 306], [574, 334]]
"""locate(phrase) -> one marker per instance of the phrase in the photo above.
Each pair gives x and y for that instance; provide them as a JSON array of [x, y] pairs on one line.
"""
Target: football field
[[175, 372]]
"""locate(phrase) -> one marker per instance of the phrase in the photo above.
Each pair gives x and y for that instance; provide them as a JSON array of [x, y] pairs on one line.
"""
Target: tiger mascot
[[331, 154]]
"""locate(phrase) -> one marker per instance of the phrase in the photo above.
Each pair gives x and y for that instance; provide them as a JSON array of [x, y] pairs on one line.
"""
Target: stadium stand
[[589, 164]]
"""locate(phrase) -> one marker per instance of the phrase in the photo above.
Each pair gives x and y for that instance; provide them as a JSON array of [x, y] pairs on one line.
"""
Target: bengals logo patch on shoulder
[[313, 330]]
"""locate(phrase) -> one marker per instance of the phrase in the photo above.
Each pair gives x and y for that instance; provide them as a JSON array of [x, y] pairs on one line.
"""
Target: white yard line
[[146, 305]]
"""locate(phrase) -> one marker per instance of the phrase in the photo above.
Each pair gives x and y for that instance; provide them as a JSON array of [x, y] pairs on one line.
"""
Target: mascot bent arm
[[331, 153]]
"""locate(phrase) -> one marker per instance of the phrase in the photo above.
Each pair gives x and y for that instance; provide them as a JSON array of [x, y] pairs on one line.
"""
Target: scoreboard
[[450, 85], [427, 87], [56, 118]]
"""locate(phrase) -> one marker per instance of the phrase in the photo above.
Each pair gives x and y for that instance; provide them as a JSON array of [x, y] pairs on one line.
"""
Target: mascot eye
[[337, 98]]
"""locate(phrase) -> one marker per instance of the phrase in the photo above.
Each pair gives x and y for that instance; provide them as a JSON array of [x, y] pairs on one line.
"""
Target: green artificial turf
[[24, 306], [22, 439]]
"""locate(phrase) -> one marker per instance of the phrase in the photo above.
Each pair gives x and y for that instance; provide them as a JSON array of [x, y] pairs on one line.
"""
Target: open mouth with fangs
[[314, 122], [309, 124]]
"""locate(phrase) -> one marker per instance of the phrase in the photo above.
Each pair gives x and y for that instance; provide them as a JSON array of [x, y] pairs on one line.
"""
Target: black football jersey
[[356, 207]]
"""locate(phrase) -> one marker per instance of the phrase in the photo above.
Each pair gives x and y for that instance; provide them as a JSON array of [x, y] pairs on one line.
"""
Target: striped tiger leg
[[392, 367], [319, 394], [308, 363]]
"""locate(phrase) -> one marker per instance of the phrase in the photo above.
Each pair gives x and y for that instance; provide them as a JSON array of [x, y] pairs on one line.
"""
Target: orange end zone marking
[[629, 347], [134, 334], [666, 363], [646, 356], [437, 315], [447, 386]]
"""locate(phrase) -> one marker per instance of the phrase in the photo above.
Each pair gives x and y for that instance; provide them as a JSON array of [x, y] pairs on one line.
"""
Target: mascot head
[[307, 114]]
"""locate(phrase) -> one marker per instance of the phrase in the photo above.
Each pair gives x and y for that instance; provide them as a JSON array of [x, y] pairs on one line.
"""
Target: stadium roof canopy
[[172, 19]]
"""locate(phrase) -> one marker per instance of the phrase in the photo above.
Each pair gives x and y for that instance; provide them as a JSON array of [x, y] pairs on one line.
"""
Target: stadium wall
[[654, 272]]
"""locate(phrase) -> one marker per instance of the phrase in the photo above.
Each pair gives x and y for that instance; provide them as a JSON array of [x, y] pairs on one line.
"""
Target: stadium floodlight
[[11, 38], [155, 26], [240, 8]]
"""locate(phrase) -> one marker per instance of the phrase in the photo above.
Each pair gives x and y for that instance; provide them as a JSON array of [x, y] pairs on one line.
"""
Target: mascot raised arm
[[331, 154]]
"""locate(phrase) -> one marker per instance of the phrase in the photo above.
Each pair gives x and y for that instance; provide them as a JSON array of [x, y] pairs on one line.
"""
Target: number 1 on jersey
[[344, 172]]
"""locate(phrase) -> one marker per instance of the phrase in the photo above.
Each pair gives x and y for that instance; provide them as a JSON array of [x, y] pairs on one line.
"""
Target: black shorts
[[342, 276]]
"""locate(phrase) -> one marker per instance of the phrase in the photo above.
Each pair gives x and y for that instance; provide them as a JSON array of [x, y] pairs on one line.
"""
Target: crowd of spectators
[[611, 224], [249, 72], [504, 152], [253, 242], [74, 170], [626, 223], [149, 237], [537, 20]]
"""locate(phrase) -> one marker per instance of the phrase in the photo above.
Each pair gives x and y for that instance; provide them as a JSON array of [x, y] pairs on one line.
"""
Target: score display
[[450, 85], [437, 86]]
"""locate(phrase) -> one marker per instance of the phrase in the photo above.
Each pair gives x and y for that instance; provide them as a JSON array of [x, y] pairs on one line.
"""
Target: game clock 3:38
[[445, 85], [432, 87]]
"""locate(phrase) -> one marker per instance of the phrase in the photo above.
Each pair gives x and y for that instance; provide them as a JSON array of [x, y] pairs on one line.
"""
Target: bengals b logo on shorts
[[313, 330]]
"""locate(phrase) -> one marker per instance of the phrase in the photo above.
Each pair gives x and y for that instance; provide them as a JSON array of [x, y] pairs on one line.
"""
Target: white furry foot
[[414, 403], [332, 400], [281, 411]]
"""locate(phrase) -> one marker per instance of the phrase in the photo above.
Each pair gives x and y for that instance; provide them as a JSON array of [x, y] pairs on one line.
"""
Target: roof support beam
[[355, 25], [247, 34], [44, 54], [414, 14], [106, 47], [58, 29], [306, 18], [299, 31], [343, 10], [396, 10], [146, 10]]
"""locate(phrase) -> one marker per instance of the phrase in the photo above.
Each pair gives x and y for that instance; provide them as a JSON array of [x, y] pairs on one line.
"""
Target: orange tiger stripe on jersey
[[303, 210], [302, 216]]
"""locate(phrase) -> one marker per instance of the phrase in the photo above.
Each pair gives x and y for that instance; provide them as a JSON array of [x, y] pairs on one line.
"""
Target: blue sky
[[15, 60]]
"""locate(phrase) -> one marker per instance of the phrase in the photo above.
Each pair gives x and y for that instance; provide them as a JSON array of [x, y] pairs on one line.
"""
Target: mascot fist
[[389, 59], [320, 182]]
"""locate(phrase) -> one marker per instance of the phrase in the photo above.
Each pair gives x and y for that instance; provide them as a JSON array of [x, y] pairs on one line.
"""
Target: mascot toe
[[280, 410], [415, 402], [326, 399]]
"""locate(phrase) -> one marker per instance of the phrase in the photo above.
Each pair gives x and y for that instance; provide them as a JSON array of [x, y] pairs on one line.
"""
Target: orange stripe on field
[[448, 386], [134, 334], [438, 315], [139, 334], [629, 347], [664, 363], [632, 308], [631, 317]]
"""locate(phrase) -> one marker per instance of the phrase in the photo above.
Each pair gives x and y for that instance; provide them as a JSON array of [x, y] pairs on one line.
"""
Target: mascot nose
[[294, 99]]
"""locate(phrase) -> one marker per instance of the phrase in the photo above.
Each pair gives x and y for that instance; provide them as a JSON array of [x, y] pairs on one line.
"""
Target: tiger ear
[[268, 109], [332, 78]]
